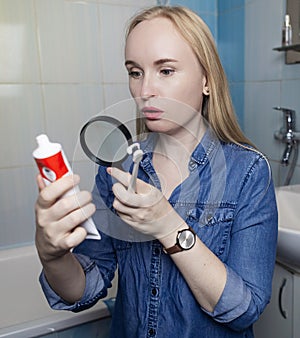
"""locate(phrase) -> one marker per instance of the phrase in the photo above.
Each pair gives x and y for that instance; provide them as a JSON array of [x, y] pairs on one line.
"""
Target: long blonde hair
[[217, 107]]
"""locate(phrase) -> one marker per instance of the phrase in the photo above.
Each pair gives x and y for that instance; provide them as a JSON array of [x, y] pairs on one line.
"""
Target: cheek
[[132, 89], [195, 100], [194, 92], [190, 95]]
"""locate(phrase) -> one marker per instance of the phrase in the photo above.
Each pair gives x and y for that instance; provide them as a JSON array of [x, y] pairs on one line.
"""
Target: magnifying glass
[[108, 142]]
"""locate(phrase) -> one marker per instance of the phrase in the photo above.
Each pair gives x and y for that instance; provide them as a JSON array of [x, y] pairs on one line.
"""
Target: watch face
[[186, 239]]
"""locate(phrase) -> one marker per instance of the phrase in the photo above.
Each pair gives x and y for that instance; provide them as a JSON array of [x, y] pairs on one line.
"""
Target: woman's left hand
[[147, 210]]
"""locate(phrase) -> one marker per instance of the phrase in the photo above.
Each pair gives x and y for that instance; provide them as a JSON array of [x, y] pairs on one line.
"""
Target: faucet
[[287, 134]]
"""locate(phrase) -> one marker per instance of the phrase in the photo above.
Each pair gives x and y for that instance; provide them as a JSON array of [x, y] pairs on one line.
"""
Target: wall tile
[[21, 118], [280, 174], [261, 121], [231, 43], [69, 41], [290, 97], [229, 5], [113, 25], [68, 108], [291, 71], [237, 95], [208, 6], [262, 33], [17, 206], [296, 177], [206, 9], [18, 42], [87, 170], [211, 21], [115, 93], [274, 169], [124, 109], [139, 3]]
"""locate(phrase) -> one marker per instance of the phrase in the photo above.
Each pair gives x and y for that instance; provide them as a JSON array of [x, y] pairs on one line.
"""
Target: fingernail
[[76, 179]]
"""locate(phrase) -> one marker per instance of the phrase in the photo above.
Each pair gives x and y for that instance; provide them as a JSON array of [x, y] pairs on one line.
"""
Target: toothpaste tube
[[53, 164]]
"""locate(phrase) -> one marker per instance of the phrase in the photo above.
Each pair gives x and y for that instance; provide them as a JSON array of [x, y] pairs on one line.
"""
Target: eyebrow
[[162, 61], [156, 63], [129, 62]]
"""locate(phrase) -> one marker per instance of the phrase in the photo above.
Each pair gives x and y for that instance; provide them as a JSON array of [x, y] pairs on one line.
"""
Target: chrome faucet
[[287, 134]]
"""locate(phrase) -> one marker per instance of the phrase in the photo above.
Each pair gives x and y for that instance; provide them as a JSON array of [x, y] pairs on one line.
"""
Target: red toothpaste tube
[[53, 164]]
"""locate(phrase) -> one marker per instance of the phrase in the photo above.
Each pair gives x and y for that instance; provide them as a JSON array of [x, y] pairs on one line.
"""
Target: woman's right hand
[[58, 217]]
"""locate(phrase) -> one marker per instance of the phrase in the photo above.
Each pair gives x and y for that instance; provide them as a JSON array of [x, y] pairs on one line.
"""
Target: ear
[[205, 89]]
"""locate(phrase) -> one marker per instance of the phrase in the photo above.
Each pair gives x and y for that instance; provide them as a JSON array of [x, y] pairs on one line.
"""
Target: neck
[[181, 144]]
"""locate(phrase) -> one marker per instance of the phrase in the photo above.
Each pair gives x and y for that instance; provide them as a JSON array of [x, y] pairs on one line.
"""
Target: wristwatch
[[185, 240]]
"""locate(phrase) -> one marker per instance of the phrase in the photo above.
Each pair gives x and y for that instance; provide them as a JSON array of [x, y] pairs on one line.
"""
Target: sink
[[288, 246]]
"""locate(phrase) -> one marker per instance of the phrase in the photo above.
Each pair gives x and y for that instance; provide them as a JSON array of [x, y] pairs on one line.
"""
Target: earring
[[206, 91]]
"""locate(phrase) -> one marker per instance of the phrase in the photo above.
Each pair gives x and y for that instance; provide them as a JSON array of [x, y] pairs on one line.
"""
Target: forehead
[[158, 35]]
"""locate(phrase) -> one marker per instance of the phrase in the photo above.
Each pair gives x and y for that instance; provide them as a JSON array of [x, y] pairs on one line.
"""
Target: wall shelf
[[295, 47]]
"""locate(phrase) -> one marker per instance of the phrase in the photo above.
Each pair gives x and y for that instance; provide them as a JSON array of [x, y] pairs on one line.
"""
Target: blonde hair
[[217, 107]]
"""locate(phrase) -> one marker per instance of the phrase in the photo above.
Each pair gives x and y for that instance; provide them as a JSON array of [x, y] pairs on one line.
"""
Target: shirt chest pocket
[[213, 225]]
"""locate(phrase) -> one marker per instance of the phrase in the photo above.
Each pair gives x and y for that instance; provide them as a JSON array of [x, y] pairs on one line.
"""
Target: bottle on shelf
[[287, 31]]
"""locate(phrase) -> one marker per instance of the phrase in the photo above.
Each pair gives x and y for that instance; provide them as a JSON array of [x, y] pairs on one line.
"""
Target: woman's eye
[[167, 71], [135, 74]]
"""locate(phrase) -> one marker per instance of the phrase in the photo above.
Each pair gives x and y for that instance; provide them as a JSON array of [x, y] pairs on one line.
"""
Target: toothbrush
[[137, 155]]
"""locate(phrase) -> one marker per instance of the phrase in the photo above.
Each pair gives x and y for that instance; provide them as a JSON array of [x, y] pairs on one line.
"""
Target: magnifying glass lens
[[105, 140]]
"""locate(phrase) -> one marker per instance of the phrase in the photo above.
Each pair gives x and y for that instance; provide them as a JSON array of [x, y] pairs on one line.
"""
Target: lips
[[152, 113]]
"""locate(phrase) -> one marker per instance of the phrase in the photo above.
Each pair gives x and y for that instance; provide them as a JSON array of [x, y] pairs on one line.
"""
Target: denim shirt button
[[156, 251], [154, 292], [151, 332]]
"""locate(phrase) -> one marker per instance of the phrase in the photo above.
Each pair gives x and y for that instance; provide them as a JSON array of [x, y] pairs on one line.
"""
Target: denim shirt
[[228, 199]]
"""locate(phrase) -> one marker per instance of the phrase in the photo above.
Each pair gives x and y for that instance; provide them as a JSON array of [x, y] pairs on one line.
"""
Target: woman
[[204, 206]]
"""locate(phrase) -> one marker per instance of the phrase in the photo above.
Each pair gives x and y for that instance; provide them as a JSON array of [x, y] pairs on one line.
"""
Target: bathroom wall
[[269, 82], [207, 9], [230, 42], [61, 62], [246, 32]]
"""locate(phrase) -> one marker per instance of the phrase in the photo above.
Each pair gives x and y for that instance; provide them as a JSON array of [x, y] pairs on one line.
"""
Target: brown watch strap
[[173, 249]]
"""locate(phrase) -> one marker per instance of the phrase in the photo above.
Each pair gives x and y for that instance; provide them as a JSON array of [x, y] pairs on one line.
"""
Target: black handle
[[282, 311]]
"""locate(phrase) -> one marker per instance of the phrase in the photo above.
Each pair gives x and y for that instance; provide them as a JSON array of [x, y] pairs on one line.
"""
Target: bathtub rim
[[57, 322]]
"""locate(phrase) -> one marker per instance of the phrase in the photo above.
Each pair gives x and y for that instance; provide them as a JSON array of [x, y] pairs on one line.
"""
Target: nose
[[148, 88]]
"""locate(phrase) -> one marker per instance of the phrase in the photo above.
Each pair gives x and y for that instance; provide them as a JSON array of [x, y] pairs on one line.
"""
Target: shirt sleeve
[[97, 258], [252, 254], [95, 288], [235, 299]]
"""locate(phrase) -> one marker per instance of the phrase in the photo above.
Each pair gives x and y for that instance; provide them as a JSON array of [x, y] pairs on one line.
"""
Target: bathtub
[[24, 311]]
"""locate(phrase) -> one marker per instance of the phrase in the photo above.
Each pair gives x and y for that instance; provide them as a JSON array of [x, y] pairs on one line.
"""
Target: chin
[[162, 126]]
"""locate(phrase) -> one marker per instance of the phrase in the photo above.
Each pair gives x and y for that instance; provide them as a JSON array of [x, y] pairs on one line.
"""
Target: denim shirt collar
[[201, 154]]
